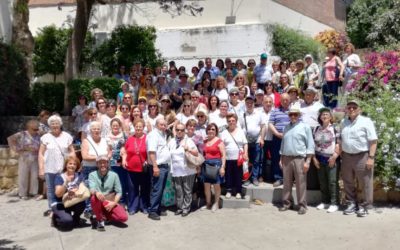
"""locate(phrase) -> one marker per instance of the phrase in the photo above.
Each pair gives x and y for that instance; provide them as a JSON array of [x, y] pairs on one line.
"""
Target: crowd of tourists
[[222, 127]]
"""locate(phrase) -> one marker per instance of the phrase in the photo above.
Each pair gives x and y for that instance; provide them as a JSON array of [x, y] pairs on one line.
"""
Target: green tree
[[128, 44]]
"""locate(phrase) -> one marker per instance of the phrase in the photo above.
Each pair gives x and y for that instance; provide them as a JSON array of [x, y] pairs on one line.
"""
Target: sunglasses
[[293, 114], [200, 116], [179, 130], [186, 106], [127, 97], [92, 113], [152, 106], [234, 94], [124, 108]]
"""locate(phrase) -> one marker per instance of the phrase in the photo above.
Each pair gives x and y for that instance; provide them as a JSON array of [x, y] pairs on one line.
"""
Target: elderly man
[[309, 114], [358, 146], [277, 122], [252, 124], [262, 72], [296, 151], [266, 135], [106, 191], [214, 71], [159, 157]]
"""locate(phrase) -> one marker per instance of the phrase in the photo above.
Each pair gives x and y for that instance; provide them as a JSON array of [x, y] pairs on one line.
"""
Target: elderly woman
[[77, 113], [111, 113], [101, 104], [235, 145], [116, 140], [241, 82], [26, 144], [125, 118], [333, 74], [214, 152], [351, 62], [67, 182], [90, 116], [96, 93], [182, 176], [270, 90], [311, 71], [196, 104], [92, 147], [134, 160], [221, 89], [55, 146], [220, 118], [185, 114], [326, 146], [43, 125], [153, 115]]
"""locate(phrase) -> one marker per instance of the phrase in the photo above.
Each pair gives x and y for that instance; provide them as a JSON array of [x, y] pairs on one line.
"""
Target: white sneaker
[[238, 196], [205, 207], [322, 206], [332, 209], [214, 207], [228, 195]]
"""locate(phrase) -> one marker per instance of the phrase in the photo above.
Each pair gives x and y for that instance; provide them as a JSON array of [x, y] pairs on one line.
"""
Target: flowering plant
[[332, 39]]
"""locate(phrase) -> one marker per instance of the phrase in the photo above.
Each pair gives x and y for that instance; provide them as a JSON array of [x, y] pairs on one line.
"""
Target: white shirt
[[156, 142], [182, 118], [219, 121], [231, 148], [230, 85], [356, 135], [222, 94], [238, 109], [265, 118], [95, 149], [56, 151], [252, 126], [152, 121], [309, 113], [178, 162]]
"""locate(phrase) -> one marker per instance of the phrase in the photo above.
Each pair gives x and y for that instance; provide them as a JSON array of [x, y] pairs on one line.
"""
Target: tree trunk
[[21, 35], [75, 46]]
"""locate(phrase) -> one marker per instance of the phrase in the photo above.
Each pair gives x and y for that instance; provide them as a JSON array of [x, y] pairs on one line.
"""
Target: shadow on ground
[[8, 245]]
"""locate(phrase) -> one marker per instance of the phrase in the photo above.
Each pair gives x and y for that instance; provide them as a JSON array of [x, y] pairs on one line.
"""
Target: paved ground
[[260, 227]]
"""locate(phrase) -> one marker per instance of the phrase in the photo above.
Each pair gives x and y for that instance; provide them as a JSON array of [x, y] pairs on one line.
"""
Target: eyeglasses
[[92, 113], [179, 130], [127, 97], [142, 101], [124, 108], [293, 114], [152, 106], [200, 116], [234, 94], [211, 129]]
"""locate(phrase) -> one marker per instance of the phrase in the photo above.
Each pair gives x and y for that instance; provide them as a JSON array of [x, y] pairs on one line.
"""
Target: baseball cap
[[264, 56]]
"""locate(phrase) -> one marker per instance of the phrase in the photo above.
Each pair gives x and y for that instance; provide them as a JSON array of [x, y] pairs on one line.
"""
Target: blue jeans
[[255, 158], [330, 94], [157, 188], [275, 158], [86, 170], [125, 182], [51, 189], [139, 192], [267, 168]]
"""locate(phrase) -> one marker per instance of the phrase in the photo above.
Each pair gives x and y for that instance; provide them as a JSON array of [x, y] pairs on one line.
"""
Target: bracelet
[[371, 156]]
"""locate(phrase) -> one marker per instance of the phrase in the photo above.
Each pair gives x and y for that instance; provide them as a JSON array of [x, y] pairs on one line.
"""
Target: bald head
[[285, 100]]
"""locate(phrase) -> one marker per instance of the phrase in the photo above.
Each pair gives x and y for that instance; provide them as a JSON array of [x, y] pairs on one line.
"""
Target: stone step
[[267, 193], [235, 203]]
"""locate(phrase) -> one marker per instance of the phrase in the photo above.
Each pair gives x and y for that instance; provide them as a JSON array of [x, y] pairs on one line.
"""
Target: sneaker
[[228, 195], [214, 207], [277, 183], [350, 209], [246, 183], [87, 214], [238, 196], [163, 213], [302, 210], [332, 209], [322, 206], [178, 212], [24, 198], [154, 216], [256, 183], [205, 207], [362, 212], [284, 208], [47, 213], [100, 226]]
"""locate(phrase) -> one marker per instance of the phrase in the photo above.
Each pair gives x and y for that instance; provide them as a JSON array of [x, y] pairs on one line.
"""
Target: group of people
[[260, 123]]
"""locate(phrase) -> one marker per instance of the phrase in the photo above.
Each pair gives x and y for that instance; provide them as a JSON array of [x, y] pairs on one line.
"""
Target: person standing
[[262, 72], [296, 151], [159, 157], [358, 146]]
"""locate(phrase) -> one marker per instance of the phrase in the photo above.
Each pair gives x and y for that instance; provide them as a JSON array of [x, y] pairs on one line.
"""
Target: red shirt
[[213, 152], [136, 153]]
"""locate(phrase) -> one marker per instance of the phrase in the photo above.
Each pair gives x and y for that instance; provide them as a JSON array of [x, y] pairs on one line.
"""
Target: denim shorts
[[217, 163]]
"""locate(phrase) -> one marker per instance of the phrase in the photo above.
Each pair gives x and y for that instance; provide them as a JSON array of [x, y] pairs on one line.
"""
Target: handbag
[[145, 166], [211, 172], [193, 161], [81, 194], [240, 159]]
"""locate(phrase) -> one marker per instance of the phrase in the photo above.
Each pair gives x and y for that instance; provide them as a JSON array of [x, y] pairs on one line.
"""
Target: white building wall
[[6, 20]]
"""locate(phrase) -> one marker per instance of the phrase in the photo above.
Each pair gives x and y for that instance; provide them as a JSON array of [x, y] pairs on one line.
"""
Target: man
[[235, 106], [251, 123], [266, 135], [179, 88], [296, 151], [106, 191], [159, 157], [277, 122], [259, 99], [228, 66], [358, 146], [262, 72], [309, 114], [214, 71]]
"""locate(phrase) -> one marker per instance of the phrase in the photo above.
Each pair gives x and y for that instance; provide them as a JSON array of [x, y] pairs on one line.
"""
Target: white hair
[[55, 118], [94, 124]]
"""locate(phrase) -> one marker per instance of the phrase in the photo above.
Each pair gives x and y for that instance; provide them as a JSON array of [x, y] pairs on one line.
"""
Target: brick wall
[[328, 12]]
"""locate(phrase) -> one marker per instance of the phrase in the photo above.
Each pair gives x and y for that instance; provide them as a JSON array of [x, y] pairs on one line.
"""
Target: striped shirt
[[279, 118]]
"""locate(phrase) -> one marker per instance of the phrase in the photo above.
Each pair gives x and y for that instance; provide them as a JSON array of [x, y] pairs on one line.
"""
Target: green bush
[[292, 45], [49, 96], [14, 81]]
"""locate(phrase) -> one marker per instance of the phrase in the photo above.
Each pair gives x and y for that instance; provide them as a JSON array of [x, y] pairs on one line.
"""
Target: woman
[[134, 158], [193, 79], [240, 67], [26, 144], [284, 83], [162, 87], [251, 64], [326, 148], [185, 114], [311, 72], [213, 105], [276, 72], [127, 98], [235, 143], [284, 69], [351, 63], [55, 146], [43, 125], [241, 82], [134, 88], [111, 112], [101, 107], [91, 117], [214, 152], [220, 64], [94, 145], [167, 112], [298, 75], [207, 89], [125, 118], [77, 113], [67, 182], [220, 118], [95, 93], [333, 74], [221, 89], [294, 97], [153, 115], [244, 92], [270, 91], [124, 90], [196, 103], [116, 140], [182, 176], [148, 87]]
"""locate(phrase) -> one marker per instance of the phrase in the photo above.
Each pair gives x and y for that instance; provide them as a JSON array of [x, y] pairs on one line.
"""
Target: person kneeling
[[106, 191]]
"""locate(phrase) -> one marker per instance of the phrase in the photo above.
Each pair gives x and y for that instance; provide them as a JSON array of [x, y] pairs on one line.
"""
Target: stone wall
[[8, 169]]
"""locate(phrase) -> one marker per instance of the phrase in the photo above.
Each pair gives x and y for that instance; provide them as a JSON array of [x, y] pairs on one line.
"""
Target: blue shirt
[[263, 73], [279, 118], [297, 140]]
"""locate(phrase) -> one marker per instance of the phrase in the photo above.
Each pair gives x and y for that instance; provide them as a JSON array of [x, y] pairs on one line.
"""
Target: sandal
[[39, 197], [47, 213]]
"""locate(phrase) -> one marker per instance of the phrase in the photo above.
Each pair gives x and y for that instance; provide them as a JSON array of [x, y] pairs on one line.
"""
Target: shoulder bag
[[193, 161], [81, 194], [240, 159]]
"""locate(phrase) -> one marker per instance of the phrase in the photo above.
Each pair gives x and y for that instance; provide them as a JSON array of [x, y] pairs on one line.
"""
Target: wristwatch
[[371, 156]]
